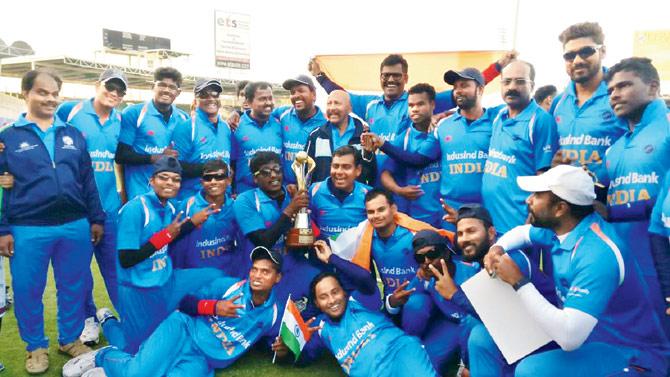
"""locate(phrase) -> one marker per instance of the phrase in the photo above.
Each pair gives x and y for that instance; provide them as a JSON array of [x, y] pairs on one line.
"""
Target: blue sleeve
[[278, 111], [459, 298], [129, 125], [182, 140], [130, 224], [312, 350], [522, 261], [541, 236], [96, 215], [596, 278], [358, 276], [359, 103], [65, 109], [545, 140], [415, 160], [444, 101], [656, 225], [327, 84], [430, 147], [215, 289], [246, 214]]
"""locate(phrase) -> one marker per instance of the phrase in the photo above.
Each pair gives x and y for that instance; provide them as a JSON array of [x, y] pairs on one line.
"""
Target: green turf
[[12, 348]]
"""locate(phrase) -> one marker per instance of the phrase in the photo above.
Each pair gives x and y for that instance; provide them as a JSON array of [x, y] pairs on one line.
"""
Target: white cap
[[570, 183]]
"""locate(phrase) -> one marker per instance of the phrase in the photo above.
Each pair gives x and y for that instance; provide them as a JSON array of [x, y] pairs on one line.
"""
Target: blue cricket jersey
[[636, 164], [144, 129], [333, 216], [198, 140], [139, 219], [249, 138], [394, 258], [586, 131], [464, 148], [295, 133], [212, 244], [660, 216], [519, 146], [426, 207], [101, 140]]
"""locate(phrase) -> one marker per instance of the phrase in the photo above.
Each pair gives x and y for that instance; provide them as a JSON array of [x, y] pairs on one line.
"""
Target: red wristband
[[207, 307], [160, 239]]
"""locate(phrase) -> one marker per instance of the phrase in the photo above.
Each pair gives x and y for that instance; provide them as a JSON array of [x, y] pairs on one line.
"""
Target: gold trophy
[[301, 235]]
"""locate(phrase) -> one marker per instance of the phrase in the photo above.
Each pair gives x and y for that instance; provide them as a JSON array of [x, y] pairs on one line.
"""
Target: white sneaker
[[103, 314], [77, 366], [95, 372], [91, 333]]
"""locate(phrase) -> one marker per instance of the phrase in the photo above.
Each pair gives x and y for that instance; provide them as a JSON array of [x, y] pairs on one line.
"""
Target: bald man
[[342, 128]]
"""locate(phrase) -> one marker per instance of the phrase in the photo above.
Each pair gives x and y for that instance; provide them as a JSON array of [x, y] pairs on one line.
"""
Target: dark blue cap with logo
[[167, 164], [451, 76]]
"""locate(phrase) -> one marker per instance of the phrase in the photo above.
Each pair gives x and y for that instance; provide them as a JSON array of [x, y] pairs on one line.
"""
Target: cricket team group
[[347, 231]]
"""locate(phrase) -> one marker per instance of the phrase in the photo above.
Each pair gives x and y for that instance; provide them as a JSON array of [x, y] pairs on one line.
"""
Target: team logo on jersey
[[150, 133], [286, 128], [607, 115], [245, 138], [448, 138], [68, 143], [203, 140], [648, 149], [558, 119], [23, 147]]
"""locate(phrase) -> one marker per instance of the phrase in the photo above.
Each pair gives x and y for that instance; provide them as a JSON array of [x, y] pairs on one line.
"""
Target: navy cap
[[167, 164], [298, 80], [113, 73], [474, 211], [451, 76], [262, 252], [428, 237], [203, 84]]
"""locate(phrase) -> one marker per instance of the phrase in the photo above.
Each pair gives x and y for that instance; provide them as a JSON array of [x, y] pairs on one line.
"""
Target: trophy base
[[298, 237]]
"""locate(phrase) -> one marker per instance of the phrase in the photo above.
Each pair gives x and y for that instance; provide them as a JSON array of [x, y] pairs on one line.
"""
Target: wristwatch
[[524, 280]]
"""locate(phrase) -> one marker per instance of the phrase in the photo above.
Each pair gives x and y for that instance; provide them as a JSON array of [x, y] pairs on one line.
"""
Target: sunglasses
[[208, 95], [112, 86], [584, 53], [211, 177], [268, 172], [432, 254]]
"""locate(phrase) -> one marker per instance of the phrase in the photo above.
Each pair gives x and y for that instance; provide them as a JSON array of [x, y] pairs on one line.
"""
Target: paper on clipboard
[[512, 328]]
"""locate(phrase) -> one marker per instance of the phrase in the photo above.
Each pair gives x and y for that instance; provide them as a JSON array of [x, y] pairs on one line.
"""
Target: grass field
[[12, 348]]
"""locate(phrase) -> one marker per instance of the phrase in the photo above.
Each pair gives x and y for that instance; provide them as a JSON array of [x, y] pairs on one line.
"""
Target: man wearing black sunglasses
[[202, 138], [586, 123]]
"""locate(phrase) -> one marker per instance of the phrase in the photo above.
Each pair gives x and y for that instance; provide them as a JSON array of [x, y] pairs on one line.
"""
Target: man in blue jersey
[[586, 123], [638, 161], [100, 123], [523, 141], [202, 138], [212, 329], [146, 130], [298, 121], [51, 215], [544, 96], [257, 131], [605, 323], [341, 129], [363, 340], [214, 243], [148, 288]]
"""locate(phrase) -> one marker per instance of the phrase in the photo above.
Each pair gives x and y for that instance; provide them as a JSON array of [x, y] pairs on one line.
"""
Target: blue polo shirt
[[139, 219], [519, 146], [144, 129], [212, 244], [343, 139], [660, 216], [595, 273], [254, 210], [636, 164], [333, 216], [101, 140], [464, 148], [249, 138], [394, 258], [426, 207], [295, 132], [586, 131]]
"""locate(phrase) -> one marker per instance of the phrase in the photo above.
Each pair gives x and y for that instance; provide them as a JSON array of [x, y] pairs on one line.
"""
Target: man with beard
[[100, 123], [298, 121], [363, 340], [586, 123], [523, 142], [202, 138], [257, 131], [146, 130], [637, 163], [213, 328], [340, 130], [605, 323]]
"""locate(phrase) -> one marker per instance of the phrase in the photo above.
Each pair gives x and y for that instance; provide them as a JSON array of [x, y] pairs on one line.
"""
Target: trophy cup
[[301, 235]]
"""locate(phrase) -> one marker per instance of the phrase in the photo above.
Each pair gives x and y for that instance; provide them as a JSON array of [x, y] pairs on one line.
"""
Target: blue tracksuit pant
[[68, 248], [105, 254]]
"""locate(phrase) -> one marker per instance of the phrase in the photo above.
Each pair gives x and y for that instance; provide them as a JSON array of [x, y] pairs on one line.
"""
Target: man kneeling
[[212, 329]]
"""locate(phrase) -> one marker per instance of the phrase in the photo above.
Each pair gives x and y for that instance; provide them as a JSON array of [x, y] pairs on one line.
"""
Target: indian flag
[[294, 331]]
